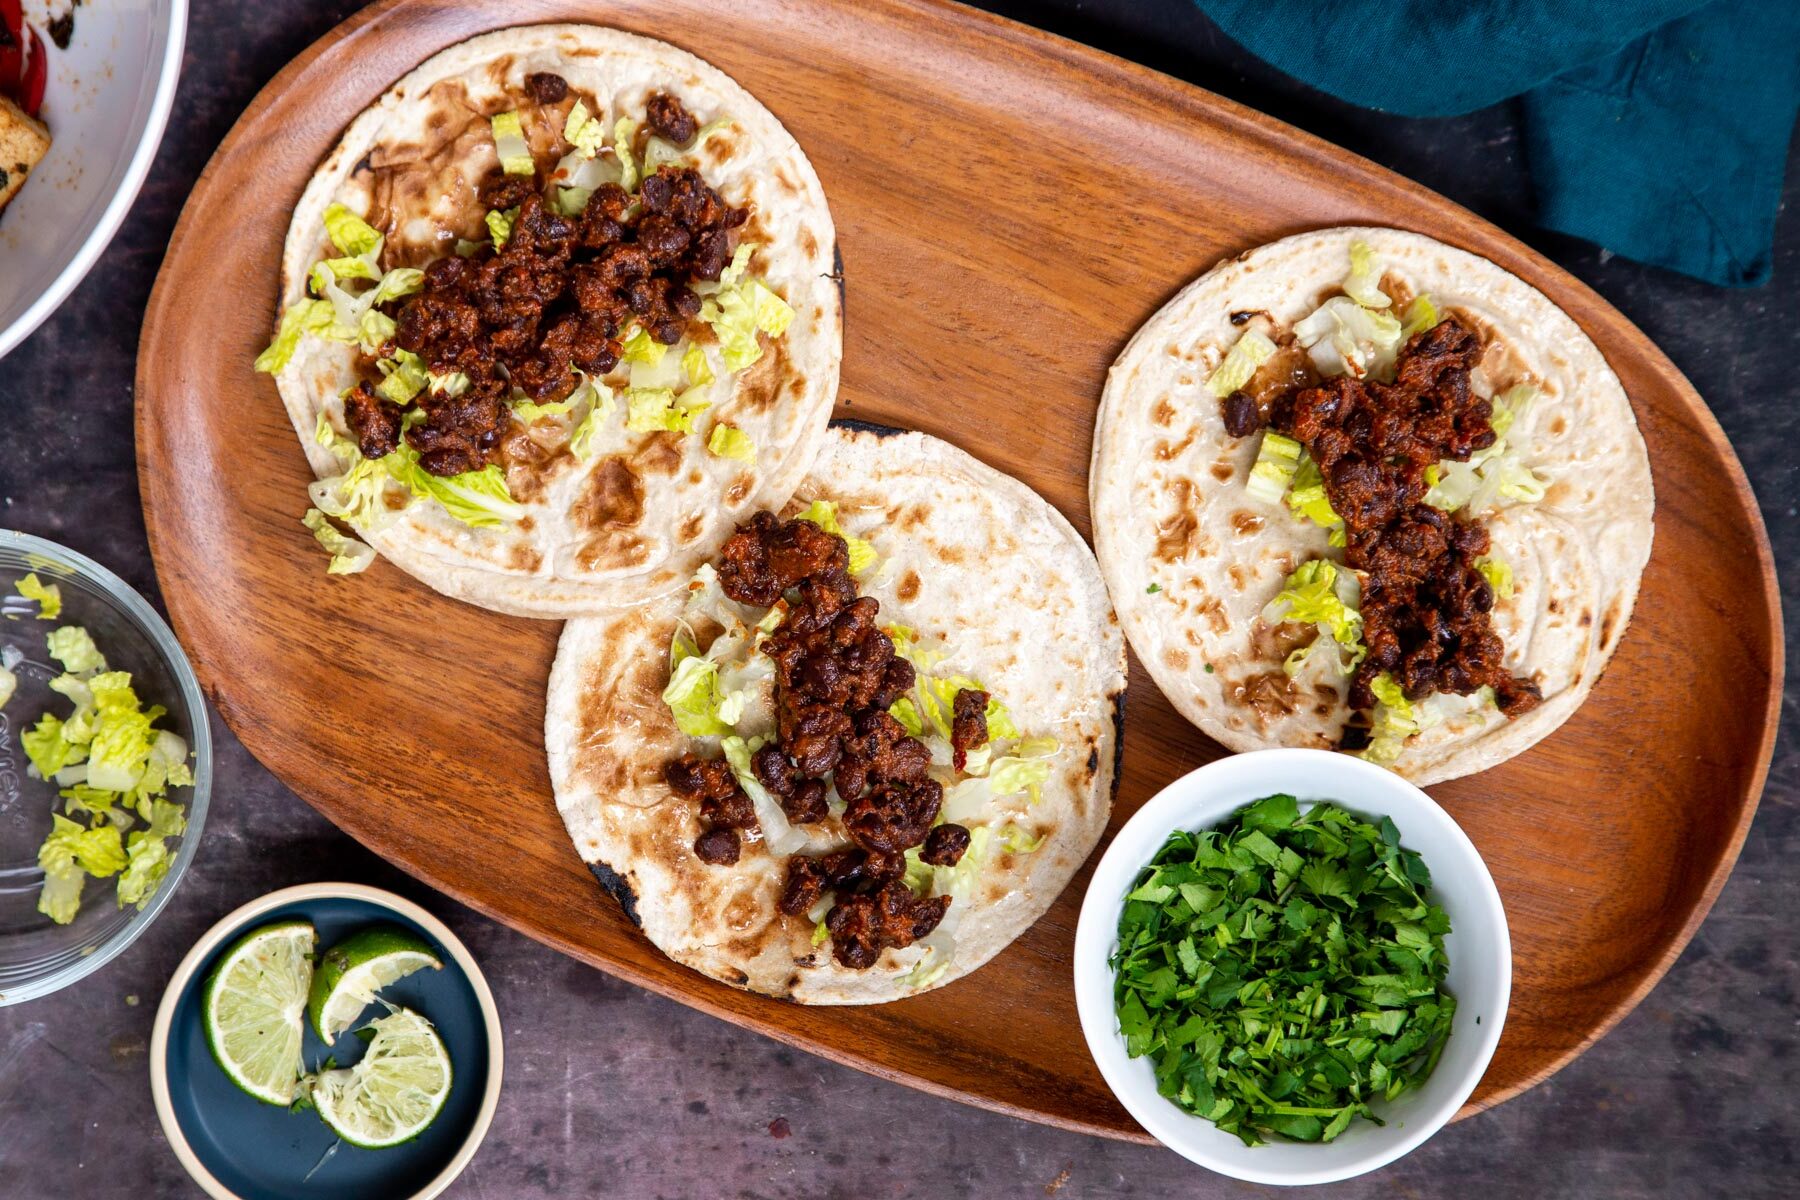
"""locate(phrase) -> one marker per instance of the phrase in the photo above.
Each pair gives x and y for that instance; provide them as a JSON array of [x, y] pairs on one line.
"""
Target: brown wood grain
[[1010, 207]]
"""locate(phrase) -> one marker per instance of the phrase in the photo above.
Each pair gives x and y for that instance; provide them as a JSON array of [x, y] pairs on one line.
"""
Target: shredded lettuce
[[500, 225], [348, 556], [600, 407], [693, 694], [1249, 352], [726, 441], [583, 131], [1344, 338], [527, 411], [1498, 574], [780, 836], [1308, 501], [350, 233], [298, 319], [823, 513], [640, 347], [403, 377], [1017, 773], [48, 748], [1015, 839], [624, 133], [1363, 284], [1421, 315], [695, 367], [47, 595], [1510, 405], [148, 855], [74, 648], [1317, 593], [740, 309], [1392, 723], [510, 144], [476, 498], [651, 409], [68, 856], [1277, 459]]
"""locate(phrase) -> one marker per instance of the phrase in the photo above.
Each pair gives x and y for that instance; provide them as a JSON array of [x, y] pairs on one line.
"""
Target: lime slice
[[397, 1089], [254, 1005], [351, 972]]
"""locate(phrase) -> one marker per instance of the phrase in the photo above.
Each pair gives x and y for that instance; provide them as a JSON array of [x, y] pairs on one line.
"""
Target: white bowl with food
[[85, 93], [1193, 948]]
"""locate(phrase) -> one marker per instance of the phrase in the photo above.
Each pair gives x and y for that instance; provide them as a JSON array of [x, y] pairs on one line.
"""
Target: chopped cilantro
[[1284, 970], [1153, 589], [1209, 668]]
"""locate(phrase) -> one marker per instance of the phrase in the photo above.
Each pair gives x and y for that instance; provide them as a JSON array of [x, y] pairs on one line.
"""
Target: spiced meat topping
[[836, 675], [553, 301], [1426, 607]]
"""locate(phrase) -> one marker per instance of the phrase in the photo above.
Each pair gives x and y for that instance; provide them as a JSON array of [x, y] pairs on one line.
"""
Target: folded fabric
[[1657, 128]]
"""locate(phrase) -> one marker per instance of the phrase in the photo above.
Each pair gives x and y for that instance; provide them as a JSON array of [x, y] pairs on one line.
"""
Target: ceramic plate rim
[[233, 922]]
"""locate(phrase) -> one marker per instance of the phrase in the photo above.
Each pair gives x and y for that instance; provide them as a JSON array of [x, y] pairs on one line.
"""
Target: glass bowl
[[37, 956]]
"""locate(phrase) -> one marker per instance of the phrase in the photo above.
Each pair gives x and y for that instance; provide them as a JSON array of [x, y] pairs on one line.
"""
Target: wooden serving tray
[[1011, 207]]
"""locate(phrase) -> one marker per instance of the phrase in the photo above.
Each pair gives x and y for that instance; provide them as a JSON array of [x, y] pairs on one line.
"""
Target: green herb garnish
[[1284, 970], [1153, 589]]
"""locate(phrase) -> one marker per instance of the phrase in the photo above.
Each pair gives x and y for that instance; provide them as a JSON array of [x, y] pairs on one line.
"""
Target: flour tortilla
[[990, 571], [646, 508], [1170, 507]]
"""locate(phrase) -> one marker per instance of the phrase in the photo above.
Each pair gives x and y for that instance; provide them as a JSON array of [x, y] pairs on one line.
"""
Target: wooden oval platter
[[1010, 208]]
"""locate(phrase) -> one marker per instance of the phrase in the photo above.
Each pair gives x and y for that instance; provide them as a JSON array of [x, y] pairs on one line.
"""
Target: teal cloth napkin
[[1657, 128]]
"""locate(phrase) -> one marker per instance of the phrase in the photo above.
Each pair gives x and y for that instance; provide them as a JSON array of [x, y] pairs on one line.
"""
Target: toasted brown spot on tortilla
[[1273, 643], [1555, 605], [808, 243], [1608, 621], [1587, 618], [909, 586], [1246, 523], [1167, 451], [661, 455], [1223, 471], [423, 197], [1557, 425], [524, 558], [758, 388], [690, 528], [613, 498], [1267, 693], [1176, 657], [1164, 413], [695, 477], [910, 516], [1175, 536], [1214, 612], [734, 495], [1239, 577], [529, 464]]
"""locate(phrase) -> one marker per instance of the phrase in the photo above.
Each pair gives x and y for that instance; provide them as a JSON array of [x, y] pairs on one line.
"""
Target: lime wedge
[[351, 972], [254, 1005], [397, 1089]]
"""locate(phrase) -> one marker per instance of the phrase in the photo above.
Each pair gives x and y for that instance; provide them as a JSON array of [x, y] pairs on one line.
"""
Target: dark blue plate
[[260, 1152]]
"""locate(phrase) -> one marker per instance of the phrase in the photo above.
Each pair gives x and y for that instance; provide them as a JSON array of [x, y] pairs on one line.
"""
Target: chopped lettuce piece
[[48, 748], [1510, 405], [476, 498], [740, 310], [1277, 458], [1313, 596], [9, 683], [1344, 338], [510, 144], [1421, 315], [348, 556], [1498, 574], [640, 347], [1392, 723], [695, 367], [726, 441], [148, 855], [500, 225], [600, 407], [73, 647], [778, 835], [528, 412], [583, 131], [1308, 501], [298, 319], [1363, 284], [693, 697], [624, 134], [1017, 773], [651, 409], [123, 737], [47, 595], [403, 377], [351, 234], [1249, 352], [1016, 839], [68, 856]]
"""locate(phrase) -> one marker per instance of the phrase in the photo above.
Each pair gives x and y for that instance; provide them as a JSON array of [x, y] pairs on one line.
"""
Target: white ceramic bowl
[[106, 102], [1480, 955]]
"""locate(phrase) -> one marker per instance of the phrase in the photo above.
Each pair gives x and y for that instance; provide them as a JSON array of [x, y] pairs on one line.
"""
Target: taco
[[1359, 489], [557, 311], [867, 747]]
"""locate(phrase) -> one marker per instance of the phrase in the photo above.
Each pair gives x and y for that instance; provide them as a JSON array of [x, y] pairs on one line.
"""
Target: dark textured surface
[[611, 1091]]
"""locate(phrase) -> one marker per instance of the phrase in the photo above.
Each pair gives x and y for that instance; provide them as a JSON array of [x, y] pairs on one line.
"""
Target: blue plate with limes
[[401, 1088]]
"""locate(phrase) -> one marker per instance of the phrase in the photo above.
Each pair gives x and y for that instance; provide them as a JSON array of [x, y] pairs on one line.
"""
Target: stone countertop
[[613, 1091]]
